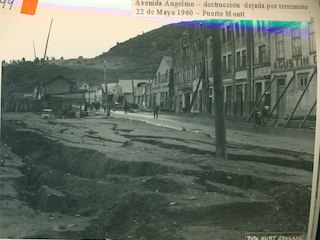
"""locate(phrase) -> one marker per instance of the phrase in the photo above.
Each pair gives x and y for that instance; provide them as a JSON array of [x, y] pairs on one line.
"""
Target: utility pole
[[106, 93], [34, 51], [45, 51], [220, 127], [133, 94]]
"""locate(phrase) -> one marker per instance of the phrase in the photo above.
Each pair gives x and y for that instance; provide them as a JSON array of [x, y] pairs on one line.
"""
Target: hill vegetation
[[136, 58]]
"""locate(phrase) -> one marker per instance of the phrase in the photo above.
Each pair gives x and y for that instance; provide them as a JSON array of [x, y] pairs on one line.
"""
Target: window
[[262, 54], [228, 33], [229, 62], [238, 56], [279, 45], [312, 40], [281, 82], [302, 80], [296, 41], [237, 27], [244, 58], [223, 33], [224, 63]]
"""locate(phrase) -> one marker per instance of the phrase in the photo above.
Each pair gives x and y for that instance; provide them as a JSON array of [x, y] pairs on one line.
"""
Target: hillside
[[137, 57]]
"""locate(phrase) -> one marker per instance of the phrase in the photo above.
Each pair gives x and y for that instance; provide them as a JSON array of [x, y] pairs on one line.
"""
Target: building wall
[[161, 84], [58, 86], [234, 61], [188, 63], [287, 62]]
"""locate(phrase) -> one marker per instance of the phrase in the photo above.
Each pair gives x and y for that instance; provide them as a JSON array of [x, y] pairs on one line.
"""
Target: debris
[[77, 215], [172, 203], [191, 198], [229, 177], [72, 225]]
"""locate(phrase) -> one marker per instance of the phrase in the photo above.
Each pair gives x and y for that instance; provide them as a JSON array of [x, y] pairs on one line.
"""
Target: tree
[[61, 58]]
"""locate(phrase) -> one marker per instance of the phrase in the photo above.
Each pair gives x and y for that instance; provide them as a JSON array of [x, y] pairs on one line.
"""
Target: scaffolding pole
[[304, 91], [196, 92], [282, 94], [305, 118], [260, 99]]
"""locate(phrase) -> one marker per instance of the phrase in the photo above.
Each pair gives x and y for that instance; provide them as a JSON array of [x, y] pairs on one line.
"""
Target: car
[[47, 113]]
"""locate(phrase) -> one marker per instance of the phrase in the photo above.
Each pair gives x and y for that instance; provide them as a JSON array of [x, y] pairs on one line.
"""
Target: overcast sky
[[86, 32]]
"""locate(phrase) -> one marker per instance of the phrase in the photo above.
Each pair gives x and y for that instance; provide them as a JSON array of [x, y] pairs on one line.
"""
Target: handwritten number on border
[[9, 2]]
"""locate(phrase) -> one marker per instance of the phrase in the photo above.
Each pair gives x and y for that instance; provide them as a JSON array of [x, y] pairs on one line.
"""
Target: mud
[[147, 198]]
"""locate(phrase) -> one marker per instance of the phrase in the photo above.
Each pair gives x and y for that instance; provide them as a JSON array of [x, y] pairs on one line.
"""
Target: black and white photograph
[[150, 129]]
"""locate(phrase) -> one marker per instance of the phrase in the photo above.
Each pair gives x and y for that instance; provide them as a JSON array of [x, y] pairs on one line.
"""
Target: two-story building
[[293, 69], [162, 85], [188, 60]]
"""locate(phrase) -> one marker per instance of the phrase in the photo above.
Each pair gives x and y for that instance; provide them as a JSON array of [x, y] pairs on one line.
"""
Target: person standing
[[265, 116], [257, 119], [156, 111]]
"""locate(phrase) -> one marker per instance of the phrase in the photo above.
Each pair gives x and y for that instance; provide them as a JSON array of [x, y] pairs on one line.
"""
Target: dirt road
[[124, 179]]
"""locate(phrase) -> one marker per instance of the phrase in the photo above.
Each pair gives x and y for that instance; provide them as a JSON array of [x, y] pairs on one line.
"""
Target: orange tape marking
[[29, 7]]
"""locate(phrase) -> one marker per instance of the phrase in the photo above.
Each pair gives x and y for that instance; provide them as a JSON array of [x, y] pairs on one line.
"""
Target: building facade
[[188, 70], [263, 65], [293, 70], [162, 85]]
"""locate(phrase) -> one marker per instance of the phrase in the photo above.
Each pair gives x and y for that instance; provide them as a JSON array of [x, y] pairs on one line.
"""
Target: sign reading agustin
[[298, 62]]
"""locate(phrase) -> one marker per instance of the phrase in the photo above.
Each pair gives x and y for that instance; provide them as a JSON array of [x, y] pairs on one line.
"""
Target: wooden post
[[106, 93], [282, 94], [304, 91], [260, 99], [220, 128], [133, 95], [249, 37], [45, 50], [305, 118]]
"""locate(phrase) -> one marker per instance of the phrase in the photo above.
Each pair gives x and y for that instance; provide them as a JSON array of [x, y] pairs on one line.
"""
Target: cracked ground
[[125, 179]]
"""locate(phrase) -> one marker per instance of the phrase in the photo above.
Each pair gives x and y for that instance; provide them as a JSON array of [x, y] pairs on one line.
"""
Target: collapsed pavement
[[120, 179]]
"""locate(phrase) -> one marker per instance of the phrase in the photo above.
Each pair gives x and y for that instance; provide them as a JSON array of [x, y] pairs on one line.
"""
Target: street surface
[[131, 176], [237, 132]]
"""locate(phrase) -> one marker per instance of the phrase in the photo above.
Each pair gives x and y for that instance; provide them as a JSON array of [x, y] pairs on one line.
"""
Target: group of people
[[261, 118]]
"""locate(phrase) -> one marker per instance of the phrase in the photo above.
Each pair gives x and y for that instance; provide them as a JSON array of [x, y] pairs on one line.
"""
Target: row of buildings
[[263, 63]]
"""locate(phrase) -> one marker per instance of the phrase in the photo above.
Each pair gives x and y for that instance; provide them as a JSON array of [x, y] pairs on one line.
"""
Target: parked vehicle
[[47, 113]]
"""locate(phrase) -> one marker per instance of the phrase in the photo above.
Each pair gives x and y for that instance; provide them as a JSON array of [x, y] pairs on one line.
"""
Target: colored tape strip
[[29, 7]]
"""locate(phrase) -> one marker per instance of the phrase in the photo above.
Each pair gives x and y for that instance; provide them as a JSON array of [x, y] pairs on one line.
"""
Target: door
[[281, 109], [239, 101], [228, 107], [187, 102]]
